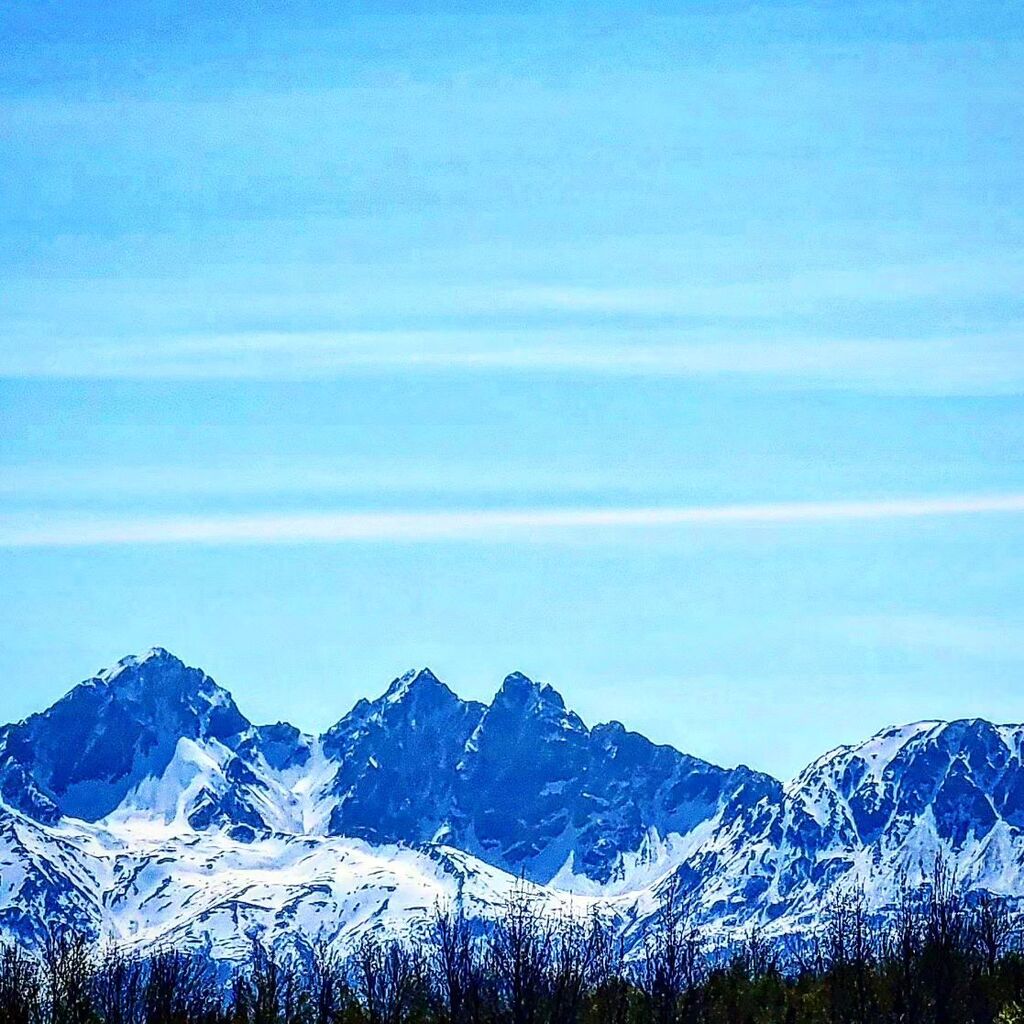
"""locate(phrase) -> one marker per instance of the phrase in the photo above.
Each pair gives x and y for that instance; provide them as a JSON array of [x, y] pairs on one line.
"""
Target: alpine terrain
[[145, 808]]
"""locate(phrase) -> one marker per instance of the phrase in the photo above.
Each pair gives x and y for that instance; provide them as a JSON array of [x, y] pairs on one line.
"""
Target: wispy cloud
[[985, 363], [468, 525], [798, 292], [717, 285]]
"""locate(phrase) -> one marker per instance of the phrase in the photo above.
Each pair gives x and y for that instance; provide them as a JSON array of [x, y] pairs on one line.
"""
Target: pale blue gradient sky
[[389, 260]]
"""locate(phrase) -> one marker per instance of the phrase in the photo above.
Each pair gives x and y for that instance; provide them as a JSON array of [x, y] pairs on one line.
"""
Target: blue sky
[[672, 356]]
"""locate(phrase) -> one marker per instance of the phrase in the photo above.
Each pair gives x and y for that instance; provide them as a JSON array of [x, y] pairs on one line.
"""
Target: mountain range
[[144, 808]]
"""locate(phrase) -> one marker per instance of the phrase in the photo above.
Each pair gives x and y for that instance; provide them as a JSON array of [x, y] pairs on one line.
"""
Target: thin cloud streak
[[470, 525], [973, 364]]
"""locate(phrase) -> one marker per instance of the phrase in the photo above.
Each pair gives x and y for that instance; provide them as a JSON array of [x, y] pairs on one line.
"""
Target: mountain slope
[[145, 807], [149, 736], [539, 791], [397, 758], [522, 783], [212, 893], [872, 816]]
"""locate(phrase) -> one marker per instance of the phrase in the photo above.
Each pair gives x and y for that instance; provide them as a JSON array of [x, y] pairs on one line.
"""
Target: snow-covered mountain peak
[[85, 753], [158, 683], [927, 748], [874, 754], [132, 661], [417, 683]]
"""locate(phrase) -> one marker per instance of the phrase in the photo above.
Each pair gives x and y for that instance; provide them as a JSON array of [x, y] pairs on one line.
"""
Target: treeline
[[937, 960]]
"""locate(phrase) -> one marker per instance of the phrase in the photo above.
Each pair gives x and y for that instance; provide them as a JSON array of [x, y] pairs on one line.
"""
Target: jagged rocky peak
[[523, 699], [87, 751], [520, 688], [155, 655], [397, 758], [520, 683], [412, 701], [420, 686], [159, 684]]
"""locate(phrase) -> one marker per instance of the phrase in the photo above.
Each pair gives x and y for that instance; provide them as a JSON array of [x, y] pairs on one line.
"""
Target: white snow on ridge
[[207, 891]]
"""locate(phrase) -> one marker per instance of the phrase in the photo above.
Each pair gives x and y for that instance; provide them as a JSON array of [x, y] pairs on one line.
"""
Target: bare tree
[[610, 986], [946, 941], [673, 962], [995, 932], [117, 987], [330, 995], [390, 979], [575, 948], [519, 957], [850, 951], [179, 989], [67, 971], [21, 987], [460, 986]]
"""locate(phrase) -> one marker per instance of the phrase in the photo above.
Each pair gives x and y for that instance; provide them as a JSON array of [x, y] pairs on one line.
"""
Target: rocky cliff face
[[522, 782]]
